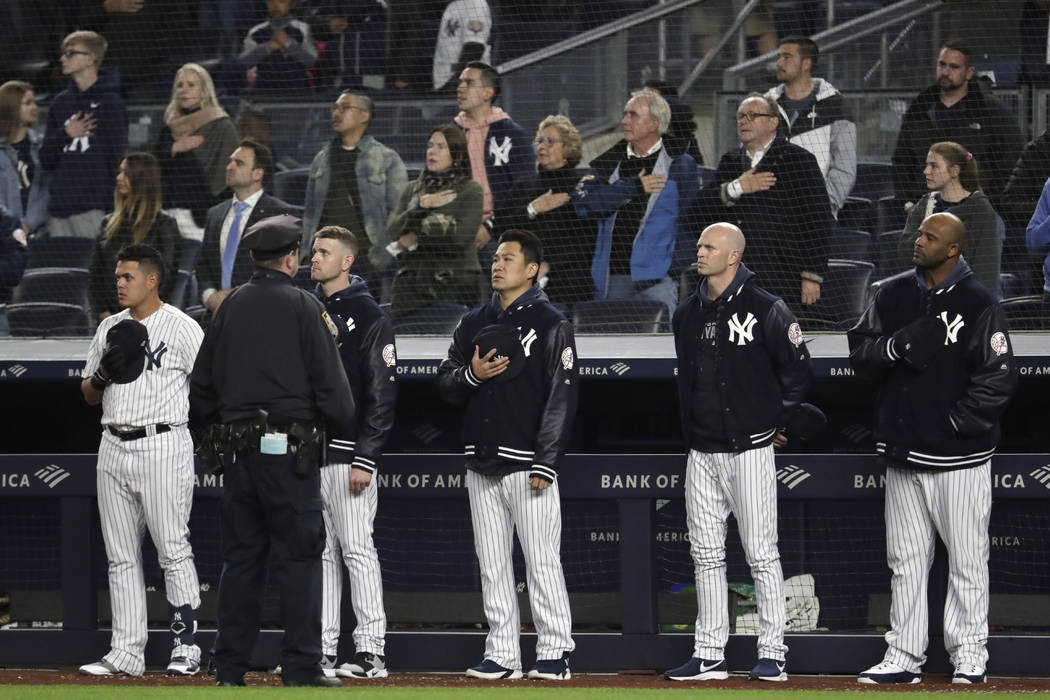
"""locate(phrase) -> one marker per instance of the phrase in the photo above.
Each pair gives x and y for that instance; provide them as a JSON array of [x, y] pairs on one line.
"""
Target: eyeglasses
[[545, 141], [70, 53], [751, 116]]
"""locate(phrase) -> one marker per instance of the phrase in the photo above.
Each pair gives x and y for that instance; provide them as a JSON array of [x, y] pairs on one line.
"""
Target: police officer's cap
[[273, 236], [131, 337], [504, 338]]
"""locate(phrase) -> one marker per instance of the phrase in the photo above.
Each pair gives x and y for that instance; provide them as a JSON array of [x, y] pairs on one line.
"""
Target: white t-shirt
[[161, 394], [464, 22]]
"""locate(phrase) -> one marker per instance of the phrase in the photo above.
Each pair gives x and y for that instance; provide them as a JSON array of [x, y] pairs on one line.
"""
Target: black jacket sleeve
[[325, 369], [792, 362], [380, 394], [456, 381], [562, 397], [993, 376], [209, 263], [870, 351]]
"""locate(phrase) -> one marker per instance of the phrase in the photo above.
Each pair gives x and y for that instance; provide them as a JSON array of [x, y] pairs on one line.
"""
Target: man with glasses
[[355, 182], [774, 190], [87, 135]]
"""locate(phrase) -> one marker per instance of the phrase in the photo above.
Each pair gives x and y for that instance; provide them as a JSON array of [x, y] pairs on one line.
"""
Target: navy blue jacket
[[762, 364], [522, 423], [366, 347], [508, 158], [83, 171], [946, 416]]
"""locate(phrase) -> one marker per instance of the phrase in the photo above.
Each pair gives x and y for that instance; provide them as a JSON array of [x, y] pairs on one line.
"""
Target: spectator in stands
[[354, 32], [1035, 44], [194, 145], [280, 50], [355, 182], [13, 256], [224, 263], [814, 115], [639, 203], [86, 136], [1016, 204], [257, 126], [462, 38], [23, 189], [952, 178], [955, 109], [413, 22], [136, 218], [434, 226], [1038, 239], [773, 189], [680, 136], [500, 148], [541, 203]]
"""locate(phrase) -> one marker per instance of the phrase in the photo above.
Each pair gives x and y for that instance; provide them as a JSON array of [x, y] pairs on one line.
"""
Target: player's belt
[[138, 433]]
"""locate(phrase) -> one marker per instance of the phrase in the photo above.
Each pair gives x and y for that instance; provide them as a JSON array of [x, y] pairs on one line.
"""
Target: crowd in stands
[[622, 229]]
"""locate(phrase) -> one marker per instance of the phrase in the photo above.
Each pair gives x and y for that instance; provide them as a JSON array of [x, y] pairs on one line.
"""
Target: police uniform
[[270, 346]]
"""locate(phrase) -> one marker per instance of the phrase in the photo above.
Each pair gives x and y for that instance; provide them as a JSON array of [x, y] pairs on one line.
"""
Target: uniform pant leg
[[494, 544], [909, 553], [245, 550], [753, 498], [706, 509], [961, 508], [167, 497], [537, 517], [123, 524], [331, 560]]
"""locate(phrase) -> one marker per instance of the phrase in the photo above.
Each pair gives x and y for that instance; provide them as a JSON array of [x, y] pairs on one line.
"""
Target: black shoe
[[230, 683], [318, 681]]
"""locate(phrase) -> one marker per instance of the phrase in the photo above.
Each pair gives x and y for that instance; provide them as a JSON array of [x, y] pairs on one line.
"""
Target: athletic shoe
[[491, 671], [888, 672], [768, 670], [182, 666], [697, 669], [100, 668], [318, 681], [327, 666], [552, 669], [365, 664], [967, 674], [230, 683]]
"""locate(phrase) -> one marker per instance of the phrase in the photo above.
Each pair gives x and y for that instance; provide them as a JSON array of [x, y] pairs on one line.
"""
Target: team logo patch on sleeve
[[998, 343], [389, 355], [332, 328], [566, 358], [795, 334]]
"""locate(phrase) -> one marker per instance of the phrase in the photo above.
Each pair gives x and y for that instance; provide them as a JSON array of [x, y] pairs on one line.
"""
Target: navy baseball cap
[[805, 422], [131, 337], [273, 236], [504, 338]]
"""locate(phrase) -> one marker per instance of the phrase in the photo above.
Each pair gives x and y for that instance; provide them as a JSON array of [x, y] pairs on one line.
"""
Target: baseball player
[[138, 367], [350, 493], [513, 363], [936, 342], [742, 372]]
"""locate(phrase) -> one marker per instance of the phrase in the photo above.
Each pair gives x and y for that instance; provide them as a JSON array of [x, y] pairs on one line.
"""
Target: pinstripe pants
[[348, 520], [498, 506], [956, 505], [743, 483], [145, 483]]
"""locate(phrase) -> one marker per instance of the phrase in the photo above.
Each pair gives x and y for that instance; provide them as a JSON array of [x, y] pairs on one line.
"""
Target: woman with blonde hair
[[23, 192], [136, 218], [195, 143], [540, 203], [954, 185]]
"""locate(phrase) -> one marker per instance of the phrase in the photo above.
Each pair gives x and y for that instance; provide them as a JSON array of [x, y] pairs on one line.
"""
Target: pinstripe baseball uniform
[[147, 483]]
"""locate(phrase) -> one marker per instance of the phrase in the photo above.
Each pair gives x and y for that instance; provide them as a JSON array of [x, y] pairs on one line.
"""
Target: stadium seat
[[618, 316], [843, 296], [849, 244], [858, 213], [890, 214], [1025, 313], [290, 185], [64, 251], [439, 318], [887, 261], [50, 301], [874, 181]]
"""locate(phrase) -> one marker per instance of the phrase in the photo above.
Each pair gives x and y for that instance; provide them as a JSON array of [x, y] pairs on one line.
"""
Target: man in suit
[[224, 264]]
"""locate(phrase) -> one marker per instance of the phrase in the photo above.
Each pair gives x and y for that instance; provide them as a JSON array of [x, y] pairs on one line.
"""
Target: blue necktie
[[233, 238]]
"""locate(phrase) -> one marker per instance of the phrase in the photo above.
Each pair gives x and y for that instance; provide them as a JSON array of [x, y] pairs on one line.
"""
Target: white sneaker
[[364, 665], [888, 672], [100, 668], [968, 674]]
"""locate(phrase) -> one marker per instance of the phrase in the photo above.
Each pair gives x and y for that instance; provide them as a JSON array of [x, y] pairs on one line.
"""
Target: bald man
[[743, 370], [936, 342]]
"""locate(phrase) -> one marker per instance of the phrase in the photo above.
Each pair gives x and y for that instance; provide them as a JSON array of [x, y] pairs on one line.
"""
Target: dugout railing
[[641, 487]]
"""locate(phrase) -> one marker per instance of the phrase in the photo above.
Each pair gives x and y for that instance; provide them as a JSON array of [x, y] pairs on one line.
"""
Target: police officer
[[268, 373]]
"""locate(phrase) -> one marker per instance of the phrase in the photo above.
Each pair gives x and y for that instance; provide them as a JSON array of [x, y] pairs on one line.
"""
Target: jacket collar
[[742, 276], [356, 288], [960, 272], [530, 297]]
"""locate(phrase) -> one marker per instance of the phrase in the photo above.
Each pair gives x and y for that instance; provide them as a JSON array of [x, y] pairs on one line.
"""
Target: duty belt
[[138, 433]]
